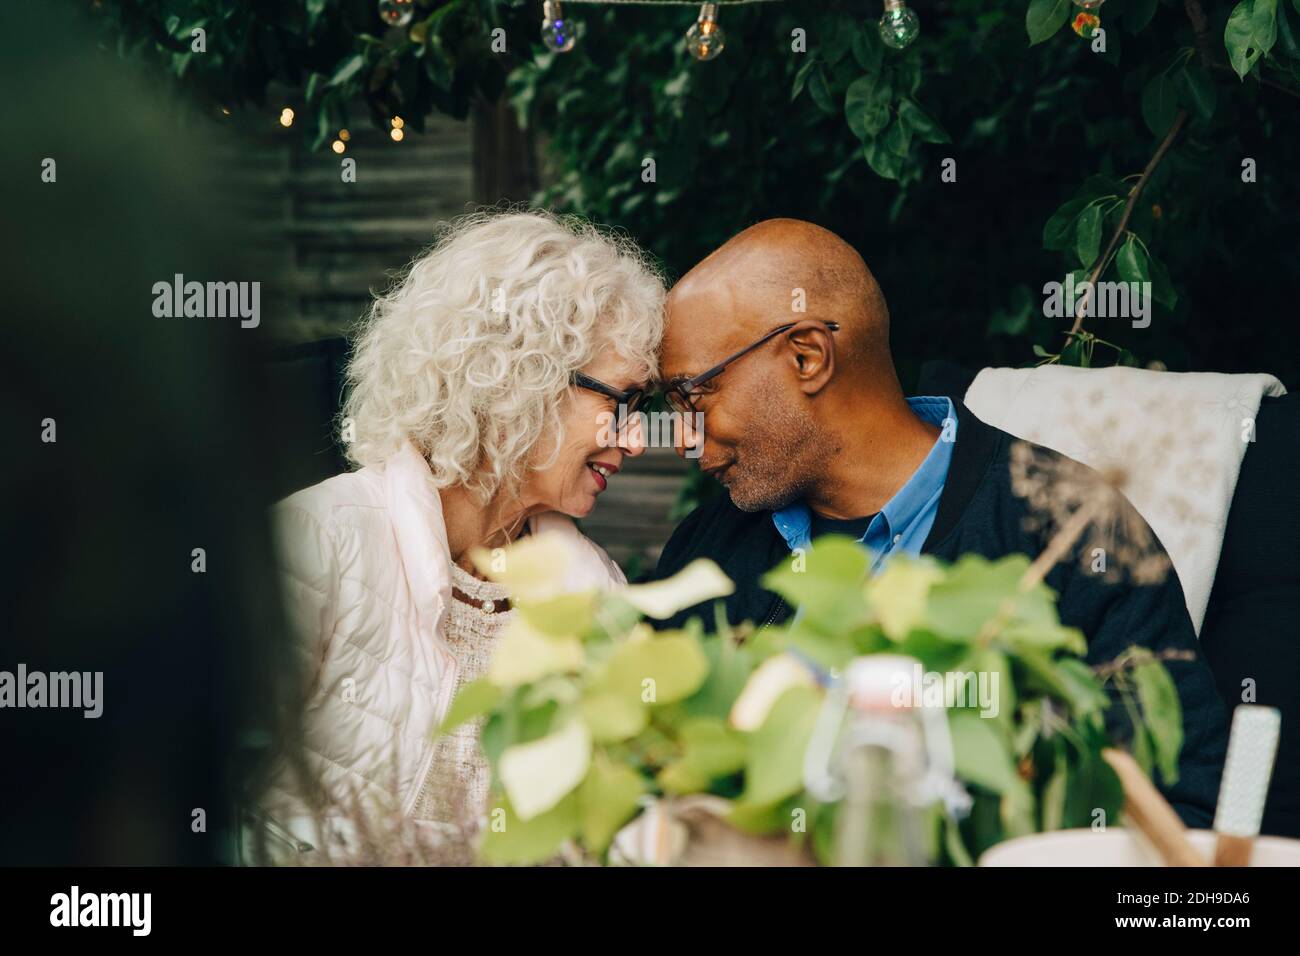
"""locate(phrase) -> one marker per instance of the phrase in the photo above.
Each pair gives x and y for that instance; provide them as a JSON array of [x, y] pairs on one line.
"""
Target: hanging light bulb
[[705, 39], [899, 25], [1086, 25], [286, 116], [557, 32], [396, 13]]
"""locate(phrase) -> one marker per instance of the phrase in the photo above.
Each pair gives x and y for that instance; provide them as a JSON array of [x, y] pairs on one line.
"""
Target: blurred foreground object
[[135, 462]]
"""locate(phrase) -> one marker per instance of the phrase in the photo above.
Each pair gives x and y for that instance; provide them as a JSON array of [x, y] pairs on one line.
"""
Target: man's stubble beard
[[777, 463]]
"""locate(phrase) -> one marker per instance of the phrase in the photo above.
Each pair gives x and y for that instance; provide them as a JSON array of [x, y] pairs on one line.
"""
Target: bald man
[[780, 341]]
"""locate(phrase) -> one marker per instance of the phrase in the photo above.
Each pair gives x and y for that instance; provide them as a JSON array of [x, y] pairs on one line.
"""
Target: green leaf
[[774, 769], [1067, 679], [866, 105], [699, 581], [520, 842], [609, 798], [953, 843], [347, 69], [473, 700], [1160, 104], [884, 162], [537, 775], [1053, 800], [710, 749], [898, 138], [868, 50], [665, 668], [1287, 39], [981, 753], [314, 82], [567, 615], [1092, 786], [921, 123], [975, 589], [758, 818], [1198, 91], [829, 586], [820, 91], [1044, 18], [1250, 33], [1014, 319], [1162, 286], [1163, 715], [1137, 14], [1132, 261], [898, 594], [729, 670], [801, 77], [1088, 235], [612, 717], [523, 655], [1059, 231]]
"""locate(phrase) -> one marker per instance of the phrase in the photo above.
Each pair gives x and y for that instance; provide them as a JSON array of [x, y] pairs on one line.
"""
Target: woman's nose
[[631, 438]]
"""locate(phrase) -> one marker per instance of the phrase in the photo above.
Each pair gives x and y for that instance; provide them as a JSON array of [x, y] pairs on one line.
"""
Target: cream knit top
[[455, 790]]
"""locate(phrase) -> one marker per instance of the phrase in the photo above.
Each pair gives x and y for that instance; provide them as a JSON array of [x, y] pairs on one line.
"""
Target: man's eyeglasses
[[680, 393], [629, 400]]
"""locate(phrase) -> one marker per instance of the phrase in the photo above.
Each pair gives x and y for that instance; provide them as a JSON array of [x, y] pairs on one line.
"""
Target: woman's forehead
[[613, 369]]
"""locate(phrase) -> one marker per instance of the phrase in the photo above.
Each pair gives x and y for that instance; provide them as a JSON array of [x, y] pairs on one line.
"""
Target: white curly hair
[[470, 355]]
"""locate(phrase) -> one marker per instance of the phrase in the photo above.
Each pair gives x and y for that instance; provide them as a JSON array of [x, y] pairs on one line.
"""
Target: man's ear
[[811, 351]]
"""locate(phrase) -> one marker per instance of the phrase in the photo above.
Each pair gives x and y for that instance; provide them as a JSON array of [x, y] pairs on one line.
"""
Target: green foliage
[[639, 714], [852, 135], [1250, 33]]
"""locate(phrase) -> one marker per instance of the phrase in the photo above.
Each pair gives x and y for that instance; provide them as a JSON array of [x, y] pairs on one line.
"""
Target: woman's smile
[[601, 472]]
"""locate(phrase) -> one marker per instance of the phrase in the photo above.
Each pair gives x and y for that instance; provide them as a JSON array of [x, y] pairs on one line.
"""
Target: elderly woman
[[481, 389]]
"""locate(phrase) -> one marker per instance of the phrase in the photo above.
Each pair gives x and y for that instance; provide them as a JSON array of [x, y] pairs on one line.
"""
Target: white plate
[[1117, 846]]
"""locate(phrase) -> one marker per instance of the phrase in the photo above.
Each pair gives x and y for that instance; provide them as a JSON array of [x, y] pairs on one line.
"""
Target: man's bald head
[[776, 418], [780, 271]]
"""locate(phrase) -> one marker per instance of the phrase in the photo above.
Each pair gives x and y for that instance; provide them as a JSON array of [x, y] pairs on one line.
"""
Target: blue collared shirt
[[906, 519]]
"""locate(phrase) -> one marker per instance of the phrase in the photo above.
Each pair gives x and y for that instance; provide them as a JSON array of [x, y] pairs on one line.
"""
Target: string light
[[1086, 25], [899, 26], [705, 39], [338, 146], [396, 13], [344, 135], [557, 32], [286, 117]]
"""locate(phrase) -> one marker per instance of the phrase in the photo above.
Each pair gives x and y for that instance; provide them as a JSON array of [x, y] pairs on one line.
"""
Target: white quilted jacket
[[367, 580]]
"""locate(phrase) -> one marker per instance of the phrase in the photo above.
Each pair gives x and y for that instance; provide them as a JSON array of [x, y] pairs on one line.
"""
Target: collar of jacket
[[415, 510], [978, 445]]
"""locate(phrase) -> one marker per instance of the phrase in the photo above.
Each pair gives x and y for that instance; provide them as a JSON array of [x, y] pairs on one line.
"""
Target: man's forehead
[[702, 319]]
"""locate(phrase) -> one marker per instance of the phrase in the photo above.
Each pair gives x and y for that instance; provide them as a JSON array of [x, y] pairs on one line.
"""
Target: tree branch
[[1200, 27], [1133, 195]]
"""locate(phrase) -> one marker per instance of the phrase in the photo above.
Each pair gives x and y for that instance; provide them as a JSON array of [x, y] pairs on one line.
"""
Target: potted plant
[[609, 742]]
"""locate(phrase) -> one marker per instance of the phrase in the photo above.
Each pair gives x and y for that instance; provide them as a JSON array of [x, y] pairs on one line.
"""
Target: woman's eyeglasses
[[628, 400], [680, 393]]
